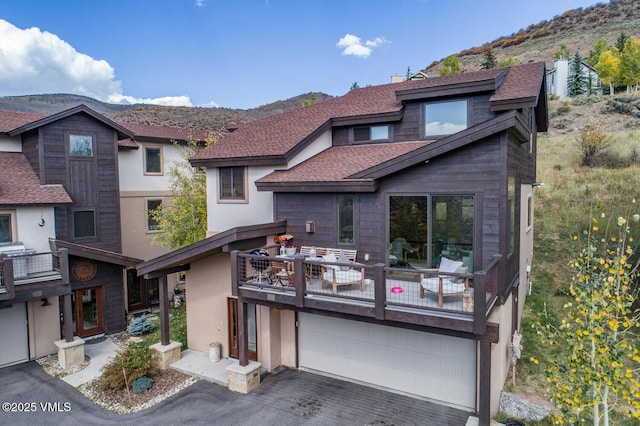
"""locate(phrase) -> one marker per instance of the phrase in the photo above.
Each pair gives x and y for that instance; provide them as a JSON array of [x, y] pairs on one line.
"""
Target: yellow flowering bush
[[600, 329]]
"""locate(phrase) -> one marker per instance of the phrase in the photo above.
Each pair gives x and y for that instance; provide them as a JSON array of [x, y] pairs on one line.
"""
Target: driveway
[[290, 397]]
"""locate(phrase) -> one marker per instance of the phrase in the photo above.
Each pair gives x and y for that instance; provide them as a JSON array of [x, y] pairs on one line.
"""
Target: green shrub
[[564, 109], [586, 99], [140, 326], [141, 384], [633, 123], [135, 362]]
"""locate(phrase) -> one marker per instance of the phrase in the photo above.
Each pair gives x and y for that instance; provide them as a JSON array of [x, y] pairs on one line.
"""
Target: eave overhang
[[225, 241], [122, 132]]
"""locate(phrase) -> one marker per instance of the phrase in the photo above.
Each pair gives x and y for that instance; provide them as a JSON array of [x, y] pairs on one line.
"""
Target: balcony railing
[[31, 267], [408, 295]]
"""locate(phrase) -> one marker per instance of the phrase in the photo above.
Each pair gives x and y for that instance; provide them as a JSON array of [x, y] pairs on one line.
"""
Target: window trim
[[529, 212], [149, 229], [73, 224], [144, 160], [245, 181], [14, 225], [387, 139], [423, 118]]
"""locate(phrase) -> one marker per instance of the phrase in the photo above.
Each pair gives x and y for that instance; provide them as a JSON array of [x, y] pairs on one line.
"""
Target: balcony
[[19, 269], [384, 294]]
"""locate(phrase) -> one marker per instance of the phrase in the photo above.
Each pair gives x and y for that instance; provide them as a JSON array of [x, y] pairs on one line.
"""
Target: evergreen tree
[[576, 84], [489, 59], [622, 39], [406, 77], [355, 85]]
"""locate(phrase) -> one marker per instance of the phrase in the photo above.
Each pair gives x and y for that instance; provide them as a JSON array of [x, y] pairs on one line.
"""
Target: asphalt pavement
[[29, 396]]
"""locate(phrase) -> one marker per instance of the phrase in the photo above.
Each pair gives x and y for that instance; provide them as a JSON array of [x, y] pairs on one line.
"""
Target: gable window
[[232, 183], [84, 223], [153, 160], [7, 227], [80, 145], [371, 133], [445, 118], [152, 207], [345, 219]]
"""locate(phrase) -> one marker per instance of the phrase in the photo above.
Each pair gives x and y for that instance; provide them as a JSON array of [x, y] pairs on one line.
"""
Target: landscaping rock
[[522, 407]]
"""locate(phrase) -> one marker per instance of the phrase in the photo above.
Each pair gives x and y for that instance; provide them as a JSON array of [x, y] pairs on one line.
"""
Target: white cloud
[[36, 62], [199, 3], [352, 45]]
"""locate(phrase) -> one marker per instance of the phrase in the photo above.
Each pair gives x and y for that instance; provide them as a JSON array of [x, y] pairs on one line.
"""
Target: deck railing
[[31, 267], [372, 290]]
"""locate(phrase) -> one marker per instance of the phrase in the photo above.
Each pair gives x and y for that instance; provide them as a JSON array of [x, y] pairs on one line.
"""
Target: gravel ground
[[165, 383]]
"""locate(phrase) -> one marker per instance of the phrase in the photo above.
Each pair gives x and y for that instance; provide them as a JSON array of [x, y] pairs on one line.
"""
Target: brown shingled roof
[[19, 184], [165, 132], [277, 137], [10, 120], [338, 163]]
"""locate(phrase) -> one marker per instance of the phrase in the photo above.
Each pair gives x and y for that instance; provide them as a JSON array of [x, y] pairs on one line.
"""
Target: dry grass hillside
[[578, 29]]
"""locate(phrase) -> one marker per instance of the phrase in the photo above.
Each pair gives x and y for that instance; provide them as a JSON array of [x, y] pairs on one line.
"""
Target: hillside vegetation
[[578, 29]]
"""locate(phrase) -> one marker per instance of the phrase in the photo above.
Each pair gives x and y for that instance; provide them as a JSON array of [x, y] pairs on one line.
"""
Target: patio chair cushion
[[343, 277], [331, 258], [448, 266], [449, 286]]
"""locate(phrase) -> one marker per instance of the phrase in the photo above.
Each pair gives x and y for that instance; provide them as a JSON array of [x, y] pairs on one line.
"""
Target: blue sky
[[239, 53]]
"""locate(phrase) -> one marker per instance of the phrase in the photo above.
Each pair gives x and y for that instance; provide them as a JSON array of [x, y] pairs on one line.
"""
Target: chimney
[[397, 78]]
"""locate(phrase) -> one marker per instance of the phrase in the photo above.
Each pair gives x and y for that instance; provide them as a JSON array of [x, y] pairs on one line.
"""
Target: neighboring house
[[428, 169], [558, 77], [74, 222]]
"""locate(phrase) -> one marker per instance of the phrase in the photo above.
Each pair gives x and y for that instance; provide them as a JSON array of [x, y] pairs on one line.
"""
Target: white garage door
[[14, 346], [437, 367]]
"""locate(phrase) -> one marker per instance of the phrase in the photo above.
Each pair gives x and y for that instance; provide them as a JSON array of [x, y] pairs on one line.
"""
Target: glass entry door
[[252, 329], [88, 313]]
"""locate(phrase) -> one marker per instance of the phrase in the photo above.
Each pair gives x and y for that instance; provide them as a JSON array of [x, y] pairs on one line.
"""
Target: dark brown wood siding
[[410, 128], [473, 170], [91, 182], [109, 277], [30, 150]]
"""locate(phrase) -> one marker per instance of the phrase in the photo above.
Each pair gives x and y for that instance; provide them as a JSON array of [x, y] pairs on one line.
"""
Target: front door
[[252, 327], [88, 313]]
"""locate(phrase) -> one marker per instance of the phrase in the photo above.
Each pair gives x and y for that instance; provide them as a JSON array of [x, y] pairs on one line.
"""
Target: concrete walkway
[[100, 354], [196, 363]]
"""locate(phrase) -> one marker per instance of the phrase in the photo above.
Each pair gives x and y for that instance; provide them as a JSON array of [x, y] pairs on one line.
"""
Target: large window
[[152, 222], [345, 219], [84, 223], [445, 118], [371, 133], [7, 224], [232, 184], [153, 160], [447, 219], [80, 145]]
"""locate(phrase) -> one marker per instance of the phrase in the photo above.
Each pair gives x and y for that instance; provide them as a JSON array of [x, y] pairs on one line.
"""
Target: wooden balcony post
[[8, 280], [484, 409], [164, 310], [63, 258], [243, 334], [235, 274], [479, 302], [301, 279], [68, 318], [380, 290]]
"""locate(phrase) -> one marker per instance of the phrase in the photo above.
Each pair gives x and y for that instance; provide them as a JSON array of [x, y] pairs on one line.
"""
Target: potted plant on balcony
[[290, 248]]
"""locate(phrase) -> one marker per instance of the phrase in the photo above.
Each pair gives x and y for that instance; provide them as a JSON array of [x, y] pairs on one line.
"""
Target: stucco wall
[[44, 327], [500, 354], [34, 236], [131, 168], [208, 284], [136, 238]]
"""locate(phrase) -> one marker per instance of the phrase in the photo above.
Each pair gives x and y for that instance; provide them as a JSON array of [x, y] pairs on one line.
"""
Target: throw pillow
[[345, 261], [449, 266]]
